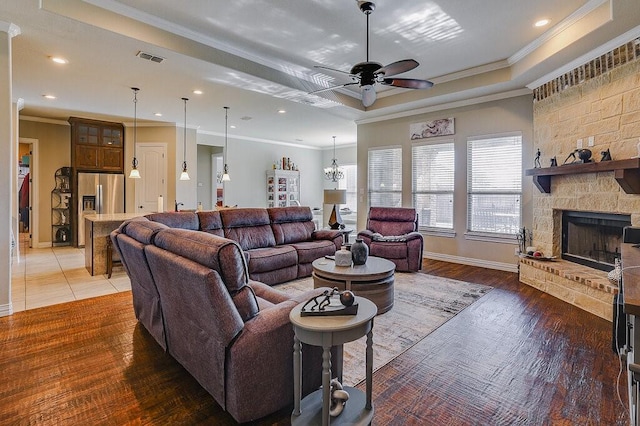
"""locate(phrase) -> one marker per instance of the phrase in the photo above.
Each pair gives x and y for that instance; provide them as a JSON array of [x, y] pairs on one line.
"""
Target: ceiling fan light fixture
[[368, 95]]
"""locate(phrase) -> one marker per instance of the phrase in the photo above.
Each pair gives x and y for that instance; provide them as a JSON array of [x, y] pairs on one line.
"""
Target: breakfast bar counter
[[96, 231]]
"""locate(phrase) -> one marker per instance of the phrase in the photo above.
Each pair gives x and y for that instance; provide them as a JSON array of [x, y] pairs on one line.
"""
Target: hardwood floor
[[515, 357]]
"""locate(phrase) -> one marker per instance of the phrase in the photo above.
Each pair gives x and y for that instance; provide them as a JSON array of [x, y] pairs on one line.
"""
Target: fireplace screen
[[592, 239]]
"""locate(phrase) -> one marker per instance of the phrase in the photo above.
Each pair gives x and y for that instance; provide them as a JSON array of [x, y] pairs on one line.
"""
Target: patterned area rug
[[422, 304]]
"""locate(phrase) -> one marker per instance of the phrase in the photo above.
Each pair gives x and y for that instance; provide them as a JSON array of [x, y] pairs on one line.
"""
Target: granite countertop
[[112, 217]]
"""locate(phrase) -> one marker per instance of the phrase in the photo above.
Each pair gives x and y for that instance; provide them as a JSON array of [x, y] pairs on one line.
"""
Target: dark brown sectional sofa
[[192, 291], [280, 243]]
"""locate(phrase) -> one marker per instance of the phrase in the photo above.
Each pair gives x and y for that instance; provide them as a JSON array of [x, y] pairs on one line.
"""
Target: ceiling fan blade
[[398, 67], [407, 83], [331, 88], [332, 69]]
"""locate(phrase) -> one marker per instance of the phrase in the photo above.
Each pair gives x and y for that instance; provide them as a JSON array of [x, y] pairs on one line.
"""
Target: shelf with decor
[[283, 188], [61, 208], [626, 173]]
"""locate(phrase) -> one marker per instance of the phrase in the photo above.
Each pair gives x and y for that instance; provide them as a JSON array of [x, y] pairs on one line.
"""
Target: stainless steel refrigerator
[[101, 193]]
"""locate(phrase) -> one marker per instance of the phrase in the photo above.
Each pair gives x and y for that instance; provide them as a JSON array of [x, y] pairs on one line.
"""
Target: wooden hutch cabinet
[[97, 145]]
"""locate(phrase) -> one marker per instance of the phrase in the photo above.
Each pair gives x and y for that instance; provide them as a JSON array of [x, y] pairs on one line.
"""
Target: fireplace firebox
[[592, 239]]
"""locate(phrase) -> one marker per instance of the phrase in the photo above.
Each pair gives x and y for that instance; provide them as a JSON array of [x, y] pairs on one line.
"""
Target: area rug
[[422, 304]]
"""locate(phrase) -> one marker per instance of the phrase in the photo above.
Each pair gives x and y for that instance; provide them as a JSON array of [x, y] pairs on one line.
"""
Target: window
[[349, 183], [385, 177], [494, 183], [432, 184]]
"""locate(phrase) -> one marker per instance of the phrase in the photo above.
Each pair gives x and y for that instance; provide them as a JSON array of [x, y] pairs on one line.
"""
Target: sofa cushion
[[272, 258], [184, 220], [246, 303], [388, 250], [312, 250], [291, 224], [143, 231], [215, 252], [211, 222], [392, 221], [249, 227]]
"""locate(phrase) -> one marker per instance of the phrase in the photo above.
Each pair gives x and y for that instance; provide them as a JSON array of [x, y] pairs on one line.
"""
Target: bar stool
[[110, 257]]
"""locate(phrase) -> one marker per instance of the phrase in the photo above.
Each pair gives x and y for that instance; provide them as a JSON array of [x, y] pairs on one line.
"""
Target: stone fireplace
[[606, 107], [592, 239]]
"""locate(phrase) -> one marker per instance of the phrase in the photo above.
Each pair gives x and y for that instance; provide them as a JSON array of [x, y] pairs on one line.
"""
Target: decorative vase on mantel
[[359, 252]]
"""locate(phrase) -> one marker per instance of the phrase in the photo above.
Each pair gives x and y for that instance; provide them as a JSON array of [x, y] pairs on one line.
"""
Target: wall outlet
[[590, 141], [579, 144]]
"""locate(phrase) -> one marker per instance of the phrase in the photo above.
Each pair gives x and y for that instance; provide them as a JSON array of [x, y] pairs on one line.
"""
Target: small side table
[[345, 233], [327, 332]]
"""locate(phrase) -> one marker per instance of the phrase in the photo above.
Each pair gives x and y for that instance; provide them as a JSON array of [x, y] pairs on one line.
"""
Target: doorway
[[27, 192]]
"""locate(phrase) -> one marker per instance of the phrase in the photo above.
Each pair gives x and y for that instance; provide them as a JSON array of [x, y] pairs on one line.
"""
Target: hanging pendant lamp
[[184, 175], [333, 172], [135, 173], [225, 173]]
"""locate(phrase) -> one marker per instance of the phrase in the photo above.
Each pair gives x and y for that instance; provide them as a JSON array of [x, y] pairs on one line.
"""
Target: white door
[[152, 163]]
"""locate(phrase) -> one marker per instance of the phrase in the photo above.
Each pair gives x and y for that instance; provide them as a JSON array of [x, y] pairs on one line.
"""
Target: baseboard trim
[[508, 267], [6, 310]]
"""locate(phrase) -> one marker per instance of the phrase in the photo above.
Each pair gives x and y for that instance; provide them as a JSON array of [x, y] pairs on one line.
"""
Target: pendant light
[[135, 174], [184, 175], [225, 173], [333, 173]]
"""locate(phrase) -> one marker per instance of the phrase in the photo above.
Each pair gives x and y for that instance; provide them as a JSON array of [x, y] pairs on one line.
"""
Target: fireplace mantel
[[626, 173]]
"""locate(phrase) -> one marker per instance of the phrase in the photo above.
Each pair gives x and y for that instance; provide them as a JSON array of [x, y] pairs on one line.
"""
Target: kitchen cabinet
[[97, 145]]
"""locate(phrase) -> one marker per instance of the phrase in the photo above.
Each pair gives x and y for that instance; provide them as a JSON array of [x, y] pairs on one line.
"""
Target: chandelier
[[333, 172]]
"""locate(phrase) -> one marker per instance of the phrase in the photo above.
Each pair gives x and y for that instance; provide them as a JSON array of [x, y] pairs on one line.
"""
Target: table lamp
[[335, 197]]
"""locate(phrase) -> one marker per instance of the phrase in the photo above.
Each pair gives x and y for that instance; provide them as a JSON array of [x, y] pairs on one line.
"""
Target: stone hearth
[[586, 288]]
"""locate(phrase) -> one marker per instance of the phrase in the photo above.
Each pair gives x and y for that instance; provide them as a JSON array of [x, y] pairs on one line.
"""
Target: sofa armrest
[[329, 234], [415, 235], [366, 236]]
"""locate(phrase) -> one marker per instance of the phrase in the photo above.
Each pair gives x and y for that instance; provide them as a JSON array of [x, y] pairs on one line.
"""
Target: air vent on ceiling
[[246, 118], [150, 57]]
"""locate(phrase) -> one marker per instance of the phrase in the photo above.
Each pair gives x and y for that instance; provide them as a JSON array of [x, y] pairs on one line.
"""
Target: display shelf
[[626, 173], [283, 188], [61, 208]]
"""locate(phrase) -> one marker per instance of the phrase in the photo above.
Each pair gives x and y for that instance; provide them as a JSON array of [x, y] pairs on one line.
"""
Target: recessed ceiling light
[[281, 111], [49, 96], [59, 60], [542, 22], [158, 114], [232, 126], [197, 92]]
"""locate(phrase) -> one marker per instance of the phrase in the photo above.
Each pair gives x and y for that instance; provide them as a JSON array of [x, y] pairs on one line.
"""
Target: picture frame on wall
[[433, 128]]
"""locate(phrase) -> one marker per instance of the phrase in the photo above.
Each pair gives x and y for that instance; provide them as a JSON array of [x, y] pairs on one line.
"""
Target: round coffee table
[[373, 280]]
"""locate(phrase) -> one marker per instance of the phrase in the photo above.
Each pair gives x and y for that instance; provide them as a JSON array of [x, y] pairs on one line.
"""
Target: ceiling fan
[[366, 74]]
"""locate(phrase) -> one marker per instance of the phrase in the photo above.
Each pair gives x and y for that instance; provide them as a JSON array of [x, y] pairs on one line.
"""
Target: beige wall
[[608, 108], [508, 115], [54, 150]]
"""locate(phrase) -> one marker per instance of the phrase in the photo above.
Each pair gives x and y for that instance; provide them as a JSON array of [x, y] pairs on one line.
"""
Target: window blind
[[385, 177], [433, 171], [494, 183]]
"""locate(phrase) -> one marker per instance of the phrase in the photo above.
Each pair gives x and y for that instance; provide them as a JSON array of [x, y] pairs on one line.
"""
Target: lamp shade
[[335, 196]]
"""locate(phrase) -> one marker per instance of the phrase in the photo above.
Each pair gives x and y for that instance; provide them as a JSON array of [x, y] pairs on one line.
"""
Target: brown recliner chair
[[392, 233]]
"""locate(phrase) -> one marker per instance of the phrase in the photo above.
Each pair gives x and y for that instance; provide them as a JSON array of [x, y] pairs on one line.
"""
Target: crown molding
[[447, 105], [10, 28], [44, 120], [599, 51], [558, 29]]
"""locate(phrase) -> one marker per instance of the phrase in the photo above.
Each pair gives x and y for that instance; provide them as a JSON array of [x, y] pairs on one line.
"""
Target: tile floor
[[42, 277]]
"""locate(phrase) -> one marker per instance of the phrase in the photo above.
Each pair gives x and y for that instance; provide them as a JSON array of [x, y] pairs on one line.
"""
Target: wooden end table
[[374, 280], [327, 332]]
